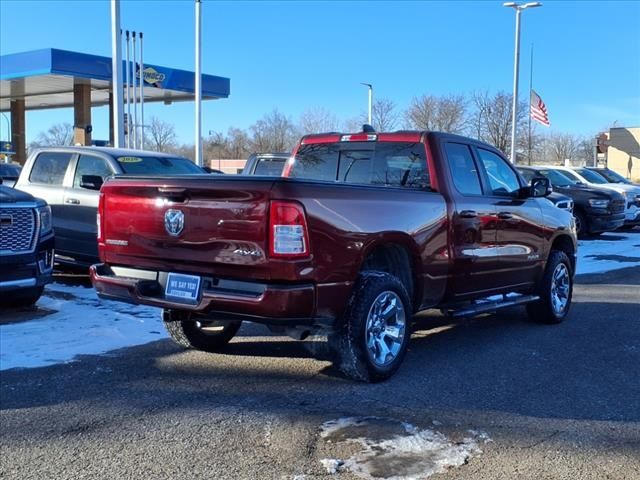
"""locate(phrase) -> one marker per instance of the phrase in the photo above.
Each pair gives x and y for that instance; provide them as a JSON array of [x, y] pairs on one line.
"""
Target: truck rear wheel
[[199, 333], [376, 329], [555, 290]]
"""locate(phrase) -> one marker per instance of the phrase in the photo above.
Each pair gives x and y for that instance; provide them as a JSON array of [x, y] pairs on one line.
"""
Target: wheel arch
[[565, 243], [395, 253]]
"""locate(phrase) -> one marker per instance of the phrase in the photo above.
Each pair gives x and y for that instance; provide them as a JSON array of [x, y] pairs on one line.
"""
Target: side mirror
[[540, 187], [91, 182]]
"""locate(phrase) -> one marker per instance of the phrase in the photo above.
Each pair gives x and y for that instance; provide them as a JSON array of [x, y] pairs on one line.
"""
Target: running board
[[492, 305]]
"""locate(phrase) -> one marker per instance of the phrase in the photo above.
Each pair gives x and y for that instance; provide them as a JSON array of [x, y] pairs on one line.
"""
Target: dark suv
[[26, 247], [595, 210]]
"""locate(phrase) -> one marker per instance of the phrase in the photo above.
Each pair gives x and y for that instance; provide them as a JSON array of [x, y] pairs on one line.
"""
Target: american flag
[[539, 109]]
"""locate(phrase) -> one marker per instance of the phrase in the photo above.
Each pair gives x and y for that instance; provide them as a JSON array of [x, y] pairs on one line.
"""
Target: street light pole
[[370, 99], [198, 85], [516, 66], [116, 77]]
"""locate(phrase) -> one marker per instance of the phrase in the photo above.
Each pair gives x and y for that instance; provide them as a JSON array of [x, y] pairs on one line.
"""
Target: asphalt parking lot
[[521, 399]]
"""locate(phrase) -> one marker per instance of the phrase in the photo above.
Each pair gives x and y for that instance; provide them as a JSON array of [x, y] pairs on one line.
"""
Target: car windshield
[[611, 176], [150, 165], [591, 177], [558, 179], [9, 171]]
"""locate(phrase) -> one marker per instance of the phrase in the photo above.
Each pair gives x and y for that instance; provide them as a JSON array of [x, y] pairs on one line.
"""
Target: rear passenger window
[[90, 165], [50, 167], [463, 169], [390, 164]]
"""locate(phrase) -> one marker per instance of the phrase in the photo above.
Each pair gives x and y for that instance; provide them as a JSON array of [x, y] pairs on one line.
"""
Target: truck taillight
[[100, 216], [289, 237]]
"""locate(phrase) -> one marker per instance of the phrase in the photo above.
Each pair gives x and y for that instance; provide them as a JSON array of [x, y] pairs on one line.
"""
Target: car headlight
[[44, 214], [598, 202]]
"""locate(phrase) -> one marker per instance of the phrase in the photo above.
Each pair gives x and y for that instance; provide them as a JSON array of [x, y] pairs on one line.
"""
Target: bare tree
[[445, 114], [60, 134], [491, 120], [273, 133], [561, 147], [318, 120], [383, 115], [354, 124], [162, 135], [238, 143]]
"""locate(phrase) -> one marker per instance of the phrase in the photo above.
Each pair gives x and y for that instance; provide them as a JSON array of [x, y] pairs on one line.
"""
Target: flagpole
[[530, 89]]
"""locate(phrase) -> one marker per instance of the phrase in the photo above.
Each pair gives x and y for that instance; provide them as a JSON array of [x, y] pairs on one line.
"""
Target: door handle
[[468, 214], [72, 201], [505, 215]]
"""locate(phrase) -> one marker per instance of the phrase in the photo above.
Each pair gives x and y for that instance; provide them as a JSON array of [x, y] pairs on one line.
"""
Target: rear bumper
[[272, 304]]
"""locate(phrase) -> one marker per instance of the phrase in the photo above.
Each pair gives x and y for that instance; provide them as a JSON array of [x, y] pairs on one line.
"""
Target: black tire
[[25, 297], [543, 310], [582, 224], [190, 332], [353, 356]]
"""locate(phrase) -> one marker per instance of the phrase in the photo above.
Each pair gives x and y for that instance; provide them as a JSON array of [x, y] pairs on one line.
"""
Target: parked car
[[9, 173], [266, 164], [213, 170], [612, 176], [26, 247], [595, 210], [366, 230], [630, 192], [69, 179]]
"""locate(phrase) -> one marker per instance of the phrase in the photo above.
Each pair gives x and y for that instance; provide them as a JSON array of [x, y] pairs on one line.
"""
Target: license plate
[[185, 288]]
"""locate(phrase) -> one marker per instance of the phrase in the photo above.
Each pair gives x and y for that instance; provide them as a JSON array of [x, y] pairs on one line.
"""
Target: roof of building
[[45, 79]]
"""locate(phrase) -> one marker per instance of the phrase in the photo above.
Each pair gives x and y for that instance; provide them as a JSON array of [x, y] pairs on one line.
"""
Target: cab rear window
[[390, 164]]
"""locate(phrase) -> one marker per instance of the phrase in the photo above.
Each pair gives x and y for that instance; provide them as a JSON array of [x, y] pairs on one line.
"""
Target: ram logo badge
[[173, 222]]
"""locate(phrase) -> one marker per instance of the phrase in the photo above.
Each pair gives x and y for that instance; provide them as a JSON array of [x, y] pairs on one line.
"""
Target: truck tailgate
[[200, 224]]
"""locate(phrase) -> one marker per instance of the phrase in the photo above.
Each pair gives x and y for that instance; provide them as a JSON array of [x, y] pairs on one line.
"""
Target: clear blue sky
[[294, 55]]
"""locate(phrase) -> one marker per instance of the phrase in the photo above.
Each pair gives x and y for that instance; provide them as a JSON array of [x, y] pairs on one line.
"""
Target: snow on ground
[[72, 321], [610, 251], [392, 450], [79, 324]]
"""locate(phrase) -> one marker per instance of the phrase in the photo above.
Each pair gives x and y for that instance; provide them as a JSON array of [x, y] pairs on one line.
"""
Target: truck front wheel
[[555, 290], [373, 338], [199, 333]]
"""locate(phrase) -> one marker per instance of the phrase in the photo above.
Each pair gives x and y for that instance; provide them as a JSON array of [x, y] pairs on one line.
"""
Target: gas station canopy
[[46, 78]]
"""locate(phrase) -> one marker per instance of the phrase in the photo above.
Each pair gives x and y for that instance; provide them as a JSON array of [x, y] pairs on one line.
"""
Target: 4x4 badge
[[173, 222]]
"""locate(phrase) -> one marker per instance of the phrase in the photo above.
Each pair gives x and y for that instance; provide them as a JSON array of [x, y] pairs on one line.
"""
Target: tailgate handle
[[172, 190]]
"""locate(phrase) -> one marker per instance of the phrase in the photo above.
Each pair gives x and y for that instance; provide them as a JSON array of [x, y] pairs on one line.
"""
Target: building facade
[[623, 152]]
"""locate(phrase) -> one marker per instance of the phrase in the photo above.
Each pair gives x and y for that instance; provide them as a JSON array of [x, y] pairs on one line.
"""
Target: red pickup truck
[[362, 231]]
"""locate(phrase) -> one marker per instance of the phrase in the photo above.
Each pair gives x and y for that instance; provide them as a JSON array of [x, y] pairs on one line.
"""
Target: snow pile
[[393, 450], [611, 251], [79, 324]]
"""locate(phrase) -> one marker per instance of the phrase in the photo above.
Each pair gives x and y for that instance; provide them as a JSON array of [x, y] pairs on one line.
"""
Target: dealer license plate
[[185, 288]]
